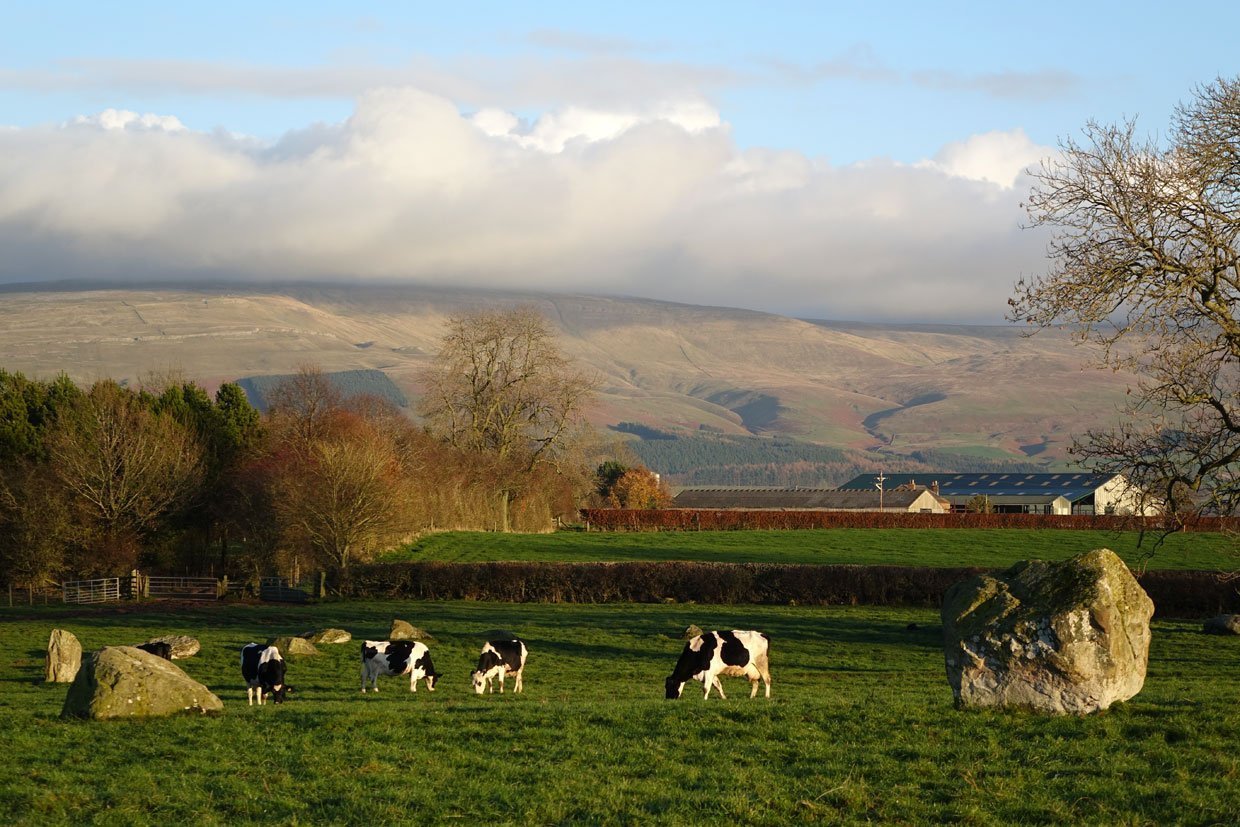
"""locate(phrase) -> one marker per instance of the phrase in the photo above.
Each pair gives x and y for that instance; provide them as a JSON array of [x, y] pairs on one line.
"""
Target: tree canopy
[[1145, 264]]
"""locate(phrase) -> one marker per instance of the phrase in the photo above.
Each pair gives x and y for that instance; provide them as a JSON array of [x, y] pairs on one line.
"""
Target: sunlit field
[[861, 727], [898, 546]]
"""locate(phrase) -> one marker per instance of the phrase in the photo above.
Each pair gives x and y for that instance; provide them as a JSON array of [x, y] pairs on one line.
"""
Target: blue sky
[[774, 151]]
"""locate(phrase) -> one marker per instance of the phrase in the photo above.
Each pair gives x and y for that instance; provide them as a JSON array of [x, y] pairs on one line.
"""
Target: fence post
[[221, 588]]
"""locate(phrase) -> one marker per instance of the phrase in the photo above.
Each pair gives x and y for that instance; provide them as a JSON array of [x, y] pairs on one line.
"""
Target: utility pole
[[879, 486]]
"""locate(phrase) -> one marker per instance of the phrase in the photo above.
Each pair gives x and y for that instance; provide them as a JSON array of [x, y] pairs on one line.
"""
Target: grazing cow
[[499, 659], [711, 654], [263, 670], [157, 648], [382, 657]]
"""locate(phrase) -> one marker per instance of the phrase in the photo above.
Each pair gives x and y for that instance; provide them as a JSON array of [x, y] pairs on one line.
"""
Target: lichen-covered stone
[[1222, 625], [328, 636], [1070, 637], [183, 646], [124, 682], [404, 631], [293, 645], [64, 657], [692, 631]]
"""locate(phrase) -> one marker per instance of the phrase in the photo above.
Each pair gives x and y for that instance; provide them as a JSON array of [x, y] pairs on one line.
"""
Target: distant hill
[[349, 383], [871, 392]]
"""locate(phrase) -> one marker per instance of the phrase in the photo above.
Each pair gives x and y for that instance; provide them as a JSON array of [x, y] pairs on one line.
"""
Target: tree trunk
[[504, 497]]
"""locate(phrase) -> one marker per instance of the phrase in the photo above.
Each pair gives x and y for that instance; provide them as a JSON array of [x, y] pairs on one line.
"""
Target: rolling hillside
[[867, 389]]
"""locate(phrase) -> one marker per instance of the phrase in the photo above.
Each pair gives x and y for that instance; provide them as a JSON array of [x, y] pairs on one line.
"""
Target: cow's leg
[[413, 680], [363, 679], [260, 694], [708, 683], [719, 686], [519, 686], [249, 694], [501, 680], [764, 669]]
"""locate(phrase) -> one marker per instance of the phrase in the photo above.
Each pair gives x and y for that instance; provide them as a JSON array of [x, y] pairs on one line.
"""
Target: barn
[[1005, 493], [921, 501]]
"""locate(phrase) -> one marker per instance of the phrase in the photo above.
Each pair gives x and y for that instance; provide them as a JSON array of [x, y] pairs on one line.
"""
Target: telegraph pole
[[879, 486]]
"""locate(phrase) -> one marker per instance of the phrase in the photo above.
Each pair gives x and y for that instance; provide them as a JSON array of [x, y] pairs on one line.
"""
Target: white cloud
[[995, 157], [120, 119], [654, 200]]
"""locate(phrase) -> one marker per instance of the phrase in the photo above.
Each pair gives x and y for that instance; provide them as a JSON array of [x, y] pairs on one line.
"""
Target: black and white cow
[[499, 659], [711, 654], [263, 671], [158, 648], [383, 657]]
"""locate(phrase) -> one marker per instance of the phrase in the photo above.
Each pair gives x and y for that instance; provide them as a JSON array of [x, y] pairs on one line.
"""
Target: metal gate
[[92, 591]]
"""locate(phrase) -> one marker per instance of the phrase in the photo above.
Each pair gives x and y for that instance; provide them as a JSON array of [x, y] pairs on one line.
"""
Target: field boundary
[[1190, 594]]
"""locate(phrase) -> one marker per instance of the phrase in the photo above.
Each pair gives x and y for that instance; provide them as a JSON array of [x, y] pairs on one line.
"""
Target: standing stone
[[691, 631], [183, 646], [124, 682], [1070, 637], [64, 657], [403, 631]]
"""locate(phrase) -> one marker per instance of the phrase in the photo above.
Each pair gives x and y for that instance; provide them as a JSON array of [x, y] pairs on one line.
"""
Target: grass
[[910, 547], [860, 727]]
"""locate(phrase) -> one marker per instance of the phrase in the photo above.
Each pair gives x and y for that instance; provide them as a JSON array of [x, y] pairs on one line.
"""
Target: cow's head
[[673, 687], [278, 693], [479, 680]]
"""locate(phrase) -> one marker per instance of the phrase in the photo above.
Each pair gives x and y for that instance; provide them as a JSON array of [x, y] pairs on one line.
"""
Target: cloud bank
[[653, 201]]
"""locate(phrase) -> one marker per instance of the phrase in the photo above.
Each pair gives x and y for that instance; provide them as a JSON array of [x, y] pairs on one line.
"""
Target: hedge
[[737, 519], [1175, 593]]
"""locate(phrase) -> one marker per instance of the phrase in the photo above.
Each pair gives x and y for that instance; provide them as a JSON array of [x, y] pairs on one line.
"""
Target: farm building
[[1063, 493], [812, 499]]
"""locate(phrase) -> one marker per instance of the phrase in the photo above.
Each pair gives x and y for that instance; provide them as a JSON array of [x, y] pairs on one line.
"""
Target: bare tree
[[501, 389], [347, 496], [1145, 264], [121, 466], [302, 405]]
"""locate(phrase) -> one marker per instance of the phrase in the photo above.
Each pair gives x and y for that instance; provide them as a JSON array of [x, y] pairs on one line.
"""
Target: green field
[[905, 547], [860, 727]]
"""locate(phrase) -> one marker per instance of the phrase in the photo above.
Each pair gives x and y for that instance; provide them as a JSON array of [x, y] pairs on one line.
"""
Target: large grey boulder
[[328, 636], [404, 631], [124, 682], [183, 646], [64, 657], [1070, 637], [1222, 625], [293, 645]]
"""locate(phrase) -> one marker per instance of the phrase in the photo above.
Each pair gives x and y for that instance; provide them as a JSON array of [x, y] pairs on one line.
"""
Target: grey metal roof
[[1072, 486], [792, 498]]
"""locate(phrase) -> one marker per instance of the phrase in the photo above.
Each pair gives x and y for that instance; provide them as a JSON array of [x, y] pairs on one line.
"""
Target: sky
[[822, 160]]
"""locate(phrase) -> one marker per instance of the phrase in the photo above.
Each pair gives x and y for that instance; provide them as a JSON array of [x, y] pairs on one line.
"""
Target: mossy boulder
[[293, 645], [64, 657], [124, 682], [328, 636], [1070, 637], [691, 631]]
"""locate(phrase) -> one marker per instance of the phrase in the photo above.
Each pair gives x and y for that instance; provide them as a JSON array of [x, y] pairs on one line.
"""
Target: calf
[[263, 670], [382, 657], [158, 648], [499, 658], [711, 654]]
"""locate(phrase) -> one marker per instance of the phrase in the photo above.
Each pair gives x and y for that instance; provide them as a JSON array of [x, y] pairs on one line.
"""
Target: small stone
[[404, 631], [328, 636], [692, 631], [1222, 625], [183, 646], [293, 645]]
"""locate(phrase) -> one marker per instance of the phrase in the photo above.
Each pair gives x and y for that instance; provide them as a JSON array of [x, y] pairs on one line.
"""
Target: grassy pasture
[[860, 728], [898, 546]]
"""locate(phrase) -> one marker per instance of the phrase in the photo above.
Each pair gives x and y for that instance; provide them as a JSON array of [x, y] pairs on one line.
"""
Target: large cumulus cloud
[[655, 201]]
